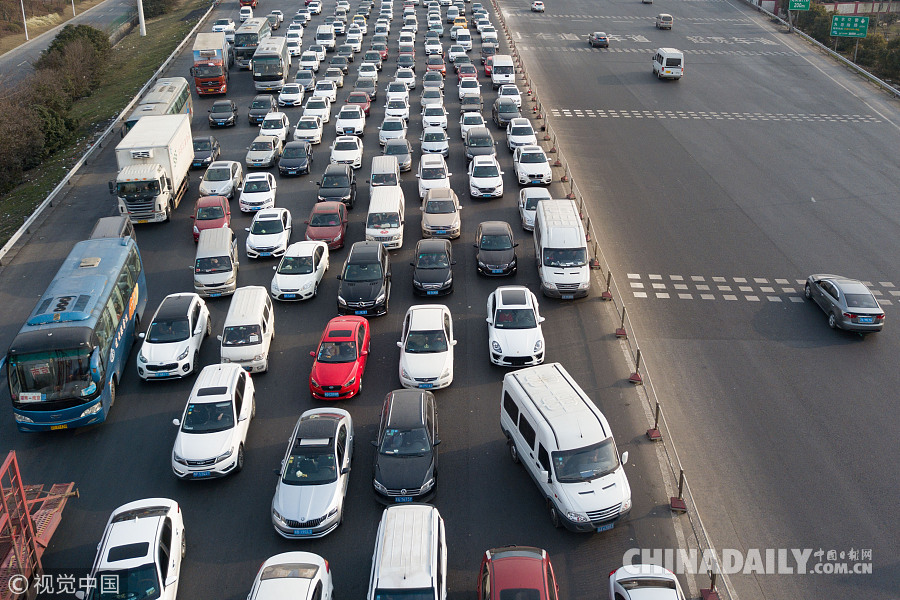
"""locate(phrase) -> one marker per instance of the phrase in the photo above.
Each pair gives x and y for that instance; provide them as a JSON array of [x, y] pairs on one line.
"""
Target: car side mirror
[[276, 471], [247, 229], [275, 268], [142, 335], [338, 278], [541, 319], [345, 470], [452, 262], [176, 422], [453, 343], [475, 245], [545, 476], [374, 443], [436, 442], [625, 457], [219, 337]]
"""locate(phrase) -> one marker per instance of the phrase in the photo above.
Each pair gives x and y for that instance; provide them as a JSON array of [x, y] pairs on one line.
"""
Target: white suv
[[171, 345], [485, 178], [426, 347]]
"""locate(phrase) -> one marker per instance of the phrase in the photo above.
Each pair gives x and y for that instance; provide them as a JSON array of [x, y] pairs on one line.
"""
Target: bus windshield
[[51, 375], [269, 66]]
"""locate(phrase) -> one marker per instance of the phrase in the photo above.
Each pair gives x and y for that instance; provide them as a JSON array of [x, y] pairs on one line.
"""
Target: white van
[[385, 171], [325, 36], [564, 442], [410, 554], [216, 264], [245, 13], [384, 223], [249, 329], [560, 250], [668, 63], [464, 39], [503, 70]]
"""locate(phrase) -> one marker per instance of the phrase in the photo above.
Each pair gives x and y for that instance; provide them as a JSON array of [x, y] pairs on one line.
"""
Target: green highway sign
[[798, 5], [849, 26]]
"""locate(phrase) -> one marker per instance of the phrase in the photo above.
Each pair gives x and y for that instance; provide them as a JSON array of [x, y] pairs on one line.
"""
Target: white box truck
[[153, 160]]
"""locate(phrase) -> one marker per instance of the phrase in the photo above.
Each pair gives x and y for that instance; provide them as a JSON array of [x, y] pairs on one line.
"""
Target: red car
[[488, 66], [467, 71], [340, 361], [435, 62], [211, 212], [327, 223], [382, 49], [513, 570], [360, 99]]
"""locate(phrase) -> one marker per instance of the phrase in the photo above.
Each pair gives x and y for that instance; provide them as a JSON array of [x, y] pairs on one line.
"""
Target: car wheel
[[253, 409], [208, 326], [807, 292], [513, 452], [240, 459], [194, 361], [554, 515], [183, 543], [832, 321]]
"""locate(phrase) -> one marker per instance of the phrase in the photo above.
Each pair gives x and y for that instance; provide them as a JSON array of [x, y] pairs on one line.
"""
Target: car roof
[[532, 149], [484, 159], [513, 295], [427, 316], [342, 328], [433, 245], [516, 121], [406, 408], [518, 567], [432, 160], [331, 206], [494, 227], [175, 305], [204, 201], [364, 251], [304, 248], [255, 176], [269, 214], [317, 426], [440, 193], [265, 138], [337, 168]]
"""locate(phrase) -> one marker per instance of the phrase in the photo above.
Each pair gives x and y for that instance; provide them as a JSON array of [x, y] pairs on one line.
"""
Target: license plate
[[202, 474], [198, 164], [216, 295], [265, 254], [568, 296], [290, 296], [535, 181], [303, 532], [865, 319], [486, 195], [330, 394], [402, 498], [426, 386], [63, 426], [222, 122], [431, 293], [605, 527], [291, 171], [496, 270], [441, 231], [141, 221], [161, 374], [360, 312]]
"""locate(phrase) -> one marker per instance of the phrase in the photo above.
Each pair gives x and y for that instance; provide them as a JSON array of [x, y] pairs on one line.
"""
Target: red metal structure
[[28, 518]]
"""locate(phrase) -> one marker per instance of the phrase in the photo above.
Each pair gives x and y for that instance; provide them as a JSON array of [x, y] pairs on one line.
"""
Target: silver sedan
[[848, 303]]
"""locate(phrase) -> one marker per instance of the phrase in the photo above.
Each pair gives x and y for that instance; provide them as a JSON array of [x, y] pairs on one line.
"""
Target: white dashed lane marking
[[709, 116], [749, 289]]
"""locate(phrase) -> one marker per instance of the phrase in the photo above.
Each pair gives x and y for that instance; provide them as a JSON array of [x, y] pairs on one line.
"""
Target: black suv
[[338, 184], [365, 286], [479, 142], [261, 105], [406, 448]]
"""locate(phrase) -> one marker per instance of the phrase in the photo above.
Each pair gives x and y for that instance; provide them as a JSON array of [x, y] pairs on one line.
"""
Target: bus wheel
[[112, 392]]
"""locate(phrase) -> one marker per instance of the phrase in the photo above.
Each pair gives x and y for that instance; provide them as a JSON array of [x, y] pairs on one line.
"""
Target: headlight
[[308, 285], [585, 285], [225, 455], [278, 517], [446, 373], [351, 381], [380, 487], [23, 419], [178, 459], [538, 345], [314, 383], [93, 410], [427, 485], [275, 287], [481, 264], [184, 354], [626, 506], [338, 237], [341, 301], [226, 360], [550, 285], [404, 374], [258, 357], [577, 517], [196, 230], [381, 297], [332, 512], [496, 347], [141, 358]]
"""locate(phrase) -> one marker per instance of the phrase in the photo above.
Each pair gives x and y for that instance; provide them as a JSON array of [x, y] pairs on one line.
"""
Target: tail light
[[613, 572], [850, 315], [879, 317], [327, 566]]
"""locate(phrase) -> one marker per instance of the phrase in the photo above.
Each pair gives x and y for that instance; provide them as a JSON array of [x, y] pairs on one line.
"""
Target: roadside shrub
[[23, 141], [155, 8], [69, 34]]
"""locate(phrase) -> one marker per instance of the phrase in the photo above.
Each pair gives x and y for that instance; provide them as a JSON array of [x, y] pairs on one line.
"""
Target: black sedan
[[496, 248], [848, 303], [365, 287], [296, 158], [260, 106], [223, 113], [206, 151], [406, 448], [338, 184], [432, 268], [504, 111]]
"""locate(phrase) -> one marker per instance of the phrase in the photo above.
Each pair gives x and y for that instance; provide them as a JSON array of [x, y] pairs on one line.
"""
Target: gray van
[[216, 265], [113, 227]]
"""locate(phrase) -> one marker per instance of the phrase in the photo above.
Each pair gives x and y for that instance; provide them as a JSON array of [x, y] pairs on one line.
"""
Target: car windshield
[[495, 242], [337, 352], [208, 417], [477, 141], [202, 145], [383, 220], [522, 130], [395, 103], [432, 93], [261, 104], [585, 464], [565, 257], [345, 145], [432, 260], [213, 264], [531, 202], [310, 465], [349, 113], [358, 98], [266, 226], [294, 152], [359, 272], [434, 136], [515, 318], [307, 124], [336, 181], [392, 126], [296, 265], [261, 146], [396, 150], [218, 174], [861, 301], [136, 583], [485, 171], [304, 77], [433, 173], [221, 108], [404, 442], [241, 335], [507, 108], [210, 213], [164, 331], [272, 124], [290, 89], [256, 185], [533, 157], [331, 219], [222, 22], [316, 104], [440, 207]]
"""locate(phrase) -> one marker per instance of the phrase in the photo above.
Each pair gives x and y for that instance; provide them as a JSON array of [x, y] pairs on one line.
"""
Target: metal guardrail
[[720, 586], [98, 144]]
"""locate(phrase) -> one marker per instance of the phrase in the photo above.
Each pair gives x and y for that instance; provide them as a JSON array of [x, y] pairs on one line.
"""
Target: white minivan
[[384, 223], [249, 329], [668, 63], [565, 444], [560, 250], [503, 70]]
